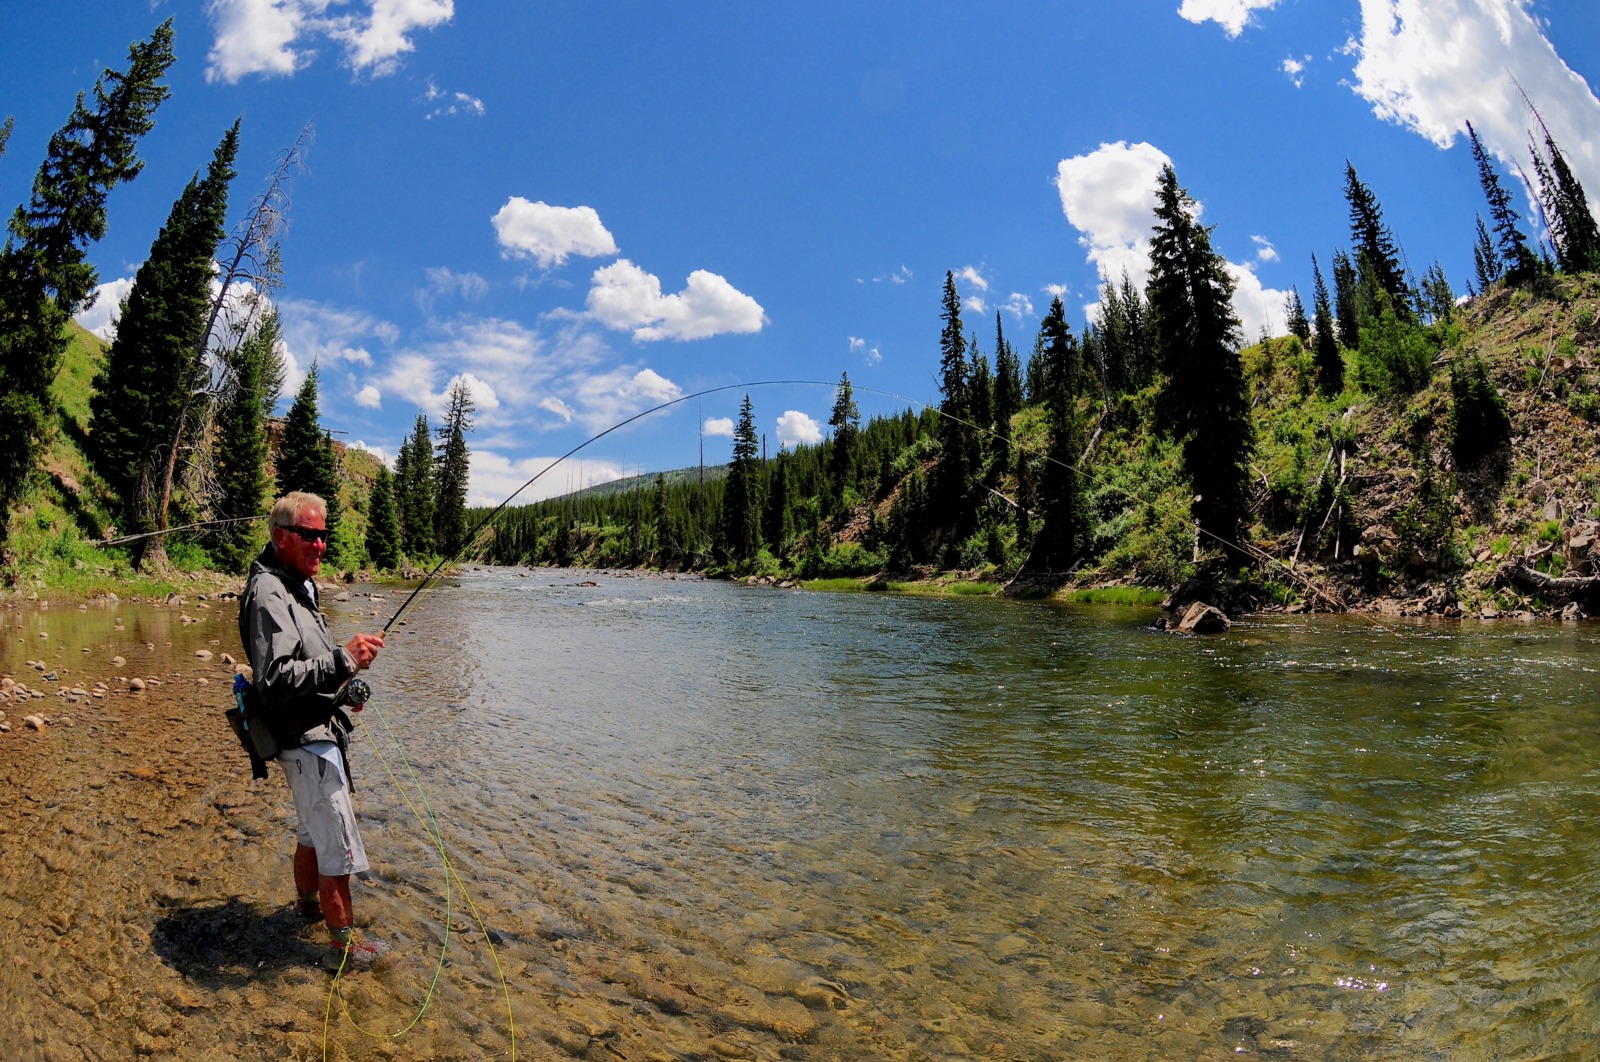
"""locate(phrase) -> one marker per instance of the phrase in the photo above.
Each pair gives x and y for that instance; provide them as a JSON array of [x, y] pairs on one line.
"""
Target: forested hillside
[[1404, 446]]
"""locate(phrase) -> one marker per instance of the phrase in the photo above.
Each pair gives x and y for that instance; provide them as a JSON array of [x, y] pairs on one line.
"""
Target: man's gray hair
[[288, 510]]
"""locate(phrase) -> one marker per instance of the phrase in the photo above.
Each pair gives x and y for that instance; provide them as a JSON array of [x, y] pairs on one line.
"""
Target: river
[[706, 820]]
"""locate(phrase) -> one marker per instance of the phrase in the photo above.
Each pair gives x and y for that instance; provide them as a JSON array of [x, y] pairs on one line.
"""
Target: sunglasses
[[309, 534]]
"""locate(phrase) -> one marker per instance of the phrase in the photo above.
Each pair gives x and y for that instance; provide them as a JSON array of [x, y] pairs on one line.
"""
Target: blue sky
[[583, 210]]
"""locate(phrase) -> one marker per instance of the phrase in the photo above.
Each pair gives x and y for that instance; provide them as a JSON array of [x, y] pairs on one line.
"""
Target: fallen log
[[1566, 585]]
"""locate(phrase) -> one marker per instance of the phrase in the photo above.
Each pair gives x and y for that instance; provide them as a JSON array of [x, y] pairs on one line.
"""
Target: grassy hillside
[[54, 535]]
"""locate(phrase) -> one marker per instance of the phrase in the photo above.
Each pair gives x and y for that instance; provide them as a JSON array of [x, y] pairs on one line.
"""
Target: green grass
[[973, 589], [836, 585]]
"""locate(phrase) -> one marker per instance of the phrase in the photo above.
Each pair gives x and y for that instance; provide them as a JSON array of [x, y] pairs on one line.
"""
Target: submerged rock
[[1201, 618]]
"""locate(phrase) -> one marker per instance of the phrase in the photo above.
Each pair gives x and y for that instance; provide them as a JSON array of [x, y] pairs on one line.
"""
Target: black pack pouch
[[245, 720]]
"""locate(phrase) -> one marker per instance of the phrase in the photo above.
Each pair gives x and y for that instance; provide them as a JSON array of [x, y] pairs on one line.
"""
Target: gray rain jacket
[[299, 671]]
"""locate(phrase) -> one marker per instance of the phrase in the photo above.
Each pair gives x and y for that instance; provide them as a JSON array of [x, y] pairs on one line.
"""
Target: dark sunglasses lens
[[310, 534]]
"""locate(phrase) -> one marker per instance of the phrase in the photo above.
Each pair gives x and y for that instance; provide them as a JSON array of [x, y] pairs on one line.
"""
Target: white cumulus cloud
[[101, 315], [369, 397], [278, 37], [1433, 65], [549, 234], [1109, 196], [1296, 69], [797, 429], [625, 297], [718, 426], [1231, 15], [972, 276]]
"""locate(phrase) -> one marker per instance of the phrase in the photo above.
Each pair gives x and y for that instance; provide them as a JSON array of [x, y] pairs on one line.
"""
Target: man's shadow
[[232, 944]]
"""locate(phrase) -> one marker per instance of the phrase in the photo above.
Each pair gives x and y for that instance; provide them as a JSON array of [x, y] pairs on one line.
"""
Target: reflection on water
[[708, 820]]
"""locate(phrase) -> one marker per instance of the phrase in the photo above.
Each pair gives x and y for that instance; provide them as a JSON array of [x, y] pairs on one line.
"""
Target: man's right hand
[[363, 649]]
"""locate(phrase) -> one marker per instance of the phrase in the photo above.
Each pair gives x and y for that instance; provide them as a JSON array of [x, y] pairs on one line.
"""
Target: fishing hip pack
[[248, 726]]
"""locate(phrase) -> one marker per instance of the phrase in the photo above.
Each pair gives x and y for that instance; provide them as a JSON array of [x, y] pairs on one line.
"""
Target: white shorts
[[326, 818]]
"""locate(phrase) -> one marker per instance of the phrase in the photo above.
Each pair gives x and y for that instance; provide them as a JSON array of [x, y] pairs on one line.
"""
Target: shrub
[[1479, 425]]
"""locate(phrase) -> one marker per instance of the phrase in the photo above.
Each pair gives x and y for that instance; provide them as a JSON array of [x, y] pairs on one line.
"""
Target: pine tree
[[1060, 540], [451, 470], [1486, 261], [383, 526], [1436, 299], [1007, 393], [325, 484], [414, 490], [777, 522], [44, 277], [665, 548], [845, 420], [152, 369], [1374, 243], [1345, 299], [956, 471], [982, 392], [1512, 254], [300, 450], [740, 506], [1329, 359], [1299, 325], [242, 443], [1566, 206], [1204, 402]]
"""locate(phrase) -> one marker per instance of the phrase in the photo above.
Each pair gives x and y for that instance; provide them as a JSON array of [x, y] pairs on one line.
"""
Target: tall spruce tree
[[414, 490], [452, 466], [1374, 243], [845, 420], [242, 443], [299, 451], [1514, 256], [1566, 206], [777, 520], [1204, 402], [1299, 324], [1345, 300], [741, 526], [1060, 540], [44, 277], [956, 472], [383, 525], [153, 367], [1007, 393], [1325, 346], [1486, 261]]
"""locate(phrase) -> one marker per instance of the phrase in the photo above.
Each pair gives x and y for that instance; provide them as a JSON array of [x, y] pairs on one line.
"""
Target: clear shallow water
[[980, 828], [705, 820]]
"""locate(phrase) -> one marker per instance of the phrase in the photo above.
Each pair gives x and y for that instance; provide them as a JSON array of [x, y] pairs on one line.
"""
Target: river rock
[[118, 661], [227, 658], [203, 654], [33, 722], [50, 676], [1201, 618], [1572, 613], [136, 684]]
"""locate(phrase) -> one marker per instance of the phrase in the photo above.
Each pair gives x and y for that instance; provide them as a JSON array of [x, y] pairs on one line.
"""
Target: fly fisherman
[[300, 676]]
